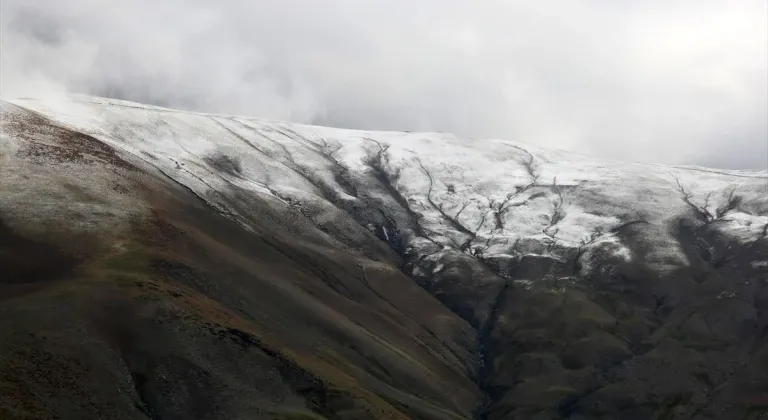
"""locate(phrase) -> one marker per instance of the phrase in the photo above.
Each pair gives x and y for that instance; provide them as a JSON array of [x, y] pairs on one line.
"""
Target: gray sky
[[668, 81]]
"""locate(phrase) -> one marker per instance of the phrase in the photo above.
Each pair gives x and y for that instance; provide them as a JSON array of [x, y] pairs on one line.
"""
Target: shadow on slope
[[187, 314]]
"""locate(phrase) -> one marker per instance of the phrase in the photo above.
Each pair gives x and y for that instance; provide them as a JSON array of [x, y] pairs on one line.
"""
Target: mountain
[[160, 264]]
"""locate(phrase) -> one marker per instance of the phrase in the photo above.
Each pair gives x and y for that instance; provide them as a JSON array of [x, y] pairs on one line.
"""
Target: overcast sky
[[668, 81]]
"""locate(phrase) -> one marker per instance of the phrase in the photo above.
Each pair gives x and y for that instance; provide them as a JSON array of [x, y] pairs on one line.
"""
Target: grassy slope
[[181, 313], [127, 296]]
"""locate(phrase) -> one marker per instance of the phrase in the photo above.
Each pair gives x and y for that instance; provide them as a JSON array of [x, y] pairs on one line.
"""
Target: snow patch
[[488, 197]]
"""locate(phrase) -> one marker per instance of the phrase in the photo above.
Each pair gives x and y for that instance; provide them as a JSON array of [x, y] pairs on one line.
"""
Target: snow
[[33, 184], [491, 195]]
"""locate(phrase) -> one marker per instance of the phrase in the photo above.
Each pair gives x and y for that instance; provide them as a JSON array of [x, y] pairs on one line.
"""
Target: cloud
[[664, 81]]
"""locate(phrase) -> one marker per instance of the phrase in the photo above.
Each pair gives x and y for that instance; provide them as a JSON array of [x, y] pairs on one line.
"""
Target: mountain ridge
[[586, 268]]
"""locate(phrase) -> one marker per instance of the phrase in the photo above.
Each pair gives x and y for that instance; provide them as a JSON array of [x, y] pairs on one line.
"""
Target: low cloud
[[664, 81]]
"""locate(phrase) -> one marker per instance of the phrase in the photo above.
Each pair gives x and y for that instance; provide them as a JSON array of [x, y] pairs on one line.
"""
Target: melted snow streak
[[429, 194]]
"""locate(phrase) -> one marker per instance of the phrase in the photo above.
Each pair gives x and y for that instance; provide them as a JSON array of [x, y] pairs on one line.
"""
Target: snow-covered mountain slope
[[497, 198], [476, 223]]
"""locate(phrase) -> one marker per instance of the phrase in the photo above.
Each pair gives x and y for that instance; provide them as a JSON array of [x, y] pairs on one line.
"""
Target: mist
[[675, 82]]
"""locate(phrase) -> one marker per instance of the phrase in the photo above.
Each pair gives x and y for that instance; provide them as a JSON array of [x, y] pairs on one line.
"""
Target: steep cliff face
[[166, 264]]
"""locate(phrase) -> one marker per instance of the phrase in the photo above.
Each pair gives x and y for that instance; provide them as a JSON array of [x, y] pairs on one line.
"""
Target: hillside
[[172, 265]]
